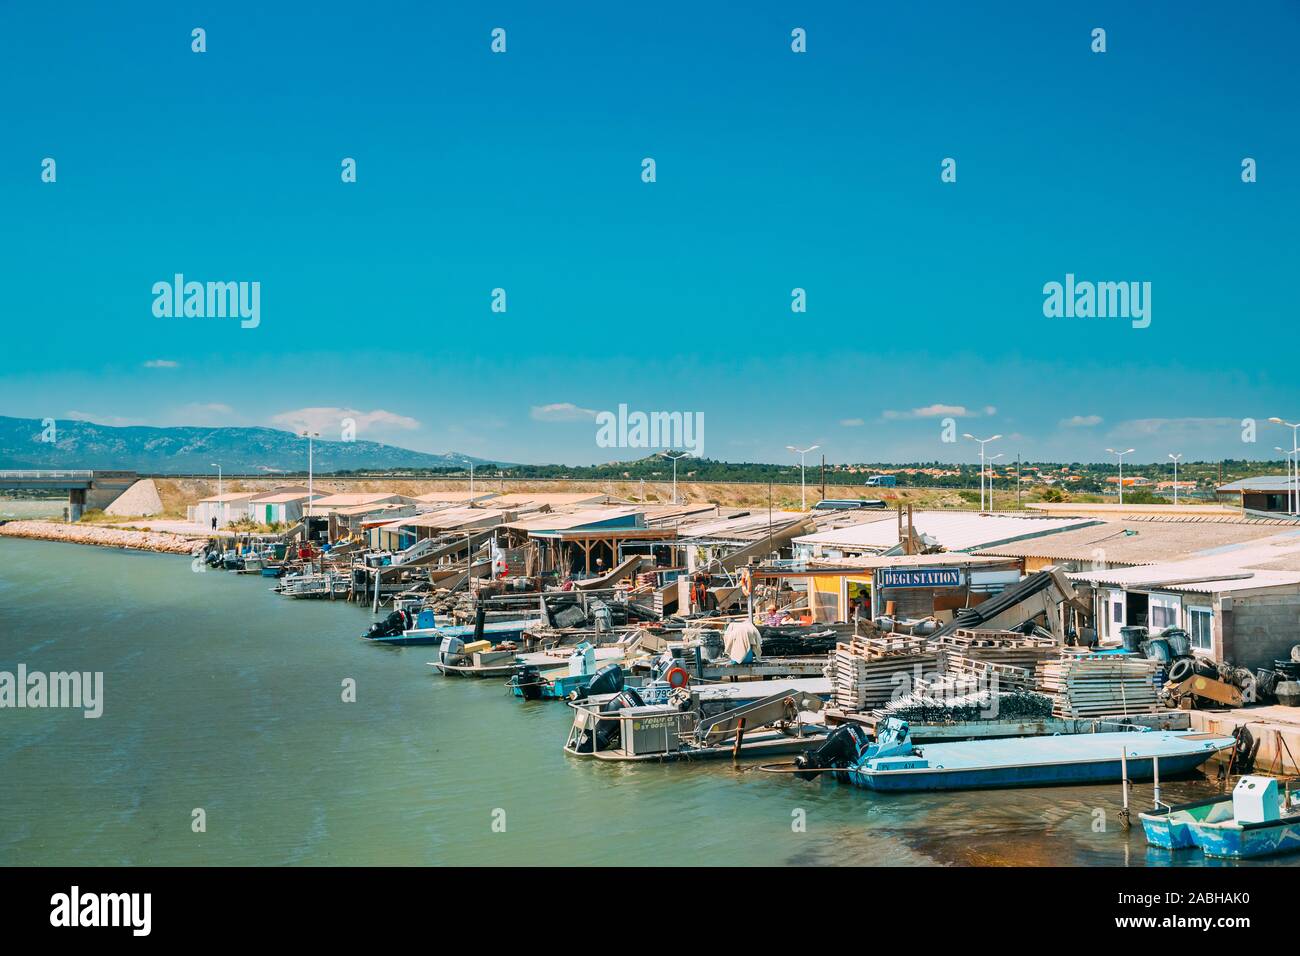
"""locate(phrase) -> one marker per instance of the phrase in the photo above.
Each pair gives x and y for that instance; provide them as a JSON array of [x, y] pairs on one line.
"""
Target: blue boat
[[426, 630], [1170, 827], [1261, 822], [892, 762]]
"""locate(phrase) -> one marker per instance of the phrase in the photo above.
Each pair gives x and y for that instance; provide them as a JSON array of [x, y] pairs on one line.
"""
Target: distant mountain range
[[191, 450]]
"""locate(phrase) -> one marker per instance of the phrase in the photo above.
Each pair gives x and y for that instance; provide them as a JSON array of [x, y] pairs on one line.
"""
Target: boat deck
[[1067, 748]]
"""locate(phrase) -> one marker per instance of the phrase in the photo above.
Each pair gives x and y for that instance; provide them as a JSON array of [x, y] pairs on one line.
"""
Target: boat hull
[[408, 639], [1039, 775], [1235, 842], [1172, 828]]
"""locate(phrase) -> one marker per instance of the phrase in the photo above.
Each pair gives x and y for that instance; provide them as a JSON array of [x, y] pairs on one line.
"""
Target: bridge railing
[[44, 475]]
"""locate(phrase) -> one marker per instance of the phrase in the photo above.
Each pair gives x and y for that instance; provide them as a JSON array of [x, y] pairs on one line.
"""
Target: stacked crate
[[867, 672], [1099, 685]]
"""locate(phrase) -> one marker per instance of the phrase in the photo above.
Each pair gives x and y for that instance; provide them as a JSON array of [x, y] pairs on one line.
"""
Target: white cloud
[[851, 422], [328, 420], [561, 412], [161, 363], [940, 411], [1081, 421]]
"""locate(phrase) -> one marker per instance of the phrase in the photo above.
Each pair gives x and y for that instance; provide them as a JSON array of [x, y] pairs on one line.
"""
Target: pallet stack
[[1099, 685], [998, 647], [868, 672]]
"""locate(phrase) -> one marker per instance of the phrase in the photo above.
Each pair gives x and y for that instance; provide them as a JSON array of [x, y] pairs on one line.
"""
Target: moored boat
[[893, 762], [1262, 821], [1170, 827]]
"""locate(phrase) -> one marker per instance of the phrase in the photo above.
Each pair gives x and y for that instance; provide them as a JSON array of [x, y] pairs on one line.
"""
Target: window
[[1163, 612], [1200, 625]]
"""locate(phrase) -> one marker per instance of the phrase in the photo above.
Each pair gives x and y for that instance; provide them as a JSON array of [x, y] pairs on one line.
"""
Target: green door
[[268, 514]]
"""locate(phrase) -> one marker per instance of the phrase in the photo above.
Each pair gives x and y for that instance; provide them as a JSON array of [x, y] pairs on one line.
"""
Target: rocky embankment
[[102, 537]]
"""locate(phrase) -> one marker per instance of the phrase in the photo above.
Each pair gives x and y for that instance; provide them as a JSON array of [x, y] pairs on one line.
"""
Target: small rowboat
[[1170, 827]]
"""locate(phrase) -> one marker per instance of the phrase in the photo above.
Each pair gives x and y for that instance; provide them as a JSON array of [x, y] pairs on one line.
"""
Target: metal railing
[[42, 475]]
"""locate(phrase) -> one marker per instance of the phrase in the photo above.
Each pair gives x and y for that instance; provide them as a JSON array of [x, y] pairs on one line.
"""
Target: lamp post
[[218, 467], [1120, 455], [1292, 482], [992, 459], [309, 435], [674, 459], [471, 480], [983, 442], [1175, 458], [803, 494]]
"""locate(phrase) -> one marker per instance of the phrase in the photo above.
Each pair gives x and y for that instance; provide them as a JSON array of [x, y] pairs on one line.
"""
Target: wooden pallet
[[1094, 686]]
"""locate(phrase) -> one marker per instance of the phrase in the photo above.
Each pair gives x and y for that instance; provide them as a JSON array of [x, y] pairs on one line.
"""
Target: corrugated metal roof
[[1278, 483], [1270, 562], [954, 530], [351, 499], [559, 520], [1136, 542], [231, 496]]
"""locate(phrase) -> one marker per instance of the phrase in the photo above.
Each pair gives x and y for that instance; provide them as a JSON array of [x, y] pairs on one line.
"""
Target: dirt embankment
[[176, 493], [102, 537]]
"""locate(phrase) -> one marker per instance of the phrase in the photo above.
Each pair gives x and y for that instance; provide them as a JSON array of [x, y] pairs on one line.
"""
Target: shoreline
[[157, 541]]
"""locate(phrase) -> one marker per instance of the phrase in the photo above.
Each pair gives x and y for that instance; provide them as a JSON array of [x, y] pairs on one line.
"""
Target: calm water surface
[[223, 696]]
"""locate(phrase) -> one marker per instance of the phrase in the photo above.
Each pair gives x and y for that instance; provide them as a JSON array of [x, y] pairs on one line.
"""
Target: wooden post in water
[[1155, 770], [740, 738], [1123, 773]]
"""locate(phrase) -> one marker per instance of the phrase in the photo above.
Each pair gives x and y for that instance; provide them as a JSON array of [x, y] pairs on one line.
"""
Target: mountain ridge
[[190, 449]]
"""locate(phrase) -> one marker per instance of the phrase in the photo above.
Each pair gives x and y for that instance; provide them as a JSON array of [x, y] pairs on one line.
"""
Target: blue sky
[[775, 170]]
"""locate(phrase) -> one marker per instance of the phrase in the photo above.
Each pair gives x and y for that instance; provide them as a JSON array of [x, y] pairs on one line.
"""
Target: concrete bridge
[[88, 488]]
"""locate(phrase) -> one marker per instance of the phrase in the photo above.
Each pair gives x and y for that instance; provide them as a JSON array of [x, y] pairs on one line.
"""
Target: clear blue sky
[[775, 170]]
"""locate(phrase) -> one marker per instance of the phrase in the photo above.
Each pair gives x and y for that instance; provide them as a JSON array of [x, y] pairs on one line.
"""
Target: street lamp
[[983, 442], [1292, 482], [674, 459], [991, 459], [803, 494], [309, 435], [218, 467], [1120, 455], [1175, 458]]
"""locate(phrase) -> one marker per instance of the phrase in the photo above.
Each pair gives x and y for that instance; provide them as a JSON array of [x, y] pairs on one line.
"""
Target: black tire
[[1181, 669]]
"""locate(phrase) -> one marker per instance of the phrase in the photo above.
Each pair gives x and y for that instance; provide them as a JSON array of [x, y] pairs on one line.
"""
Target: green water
[[223, 696]]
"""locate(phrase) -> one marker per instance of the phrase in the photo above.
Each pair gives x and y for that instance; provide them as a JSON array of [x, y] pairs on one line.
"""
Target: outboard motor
[[841, 749], [711, 646], [608, 680], [452, 651], [529, 681], [609, 732]]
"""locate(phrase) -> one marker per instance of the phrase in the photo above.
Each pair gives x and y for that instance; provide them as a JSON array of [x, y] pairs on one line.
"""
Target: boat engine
[[608, 680], [840, 750], [391, 626], [529, 681], [452, 651], [608, 732]]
